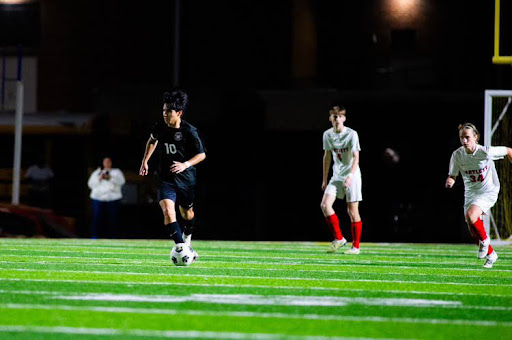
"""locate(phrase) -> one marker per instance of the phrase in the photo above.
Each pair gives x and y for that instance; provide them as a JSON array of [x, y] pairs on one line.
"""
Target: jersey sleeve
[[155, 131], [497, 152], [326, 142], [196, 144], [355, 142], [454, 168]]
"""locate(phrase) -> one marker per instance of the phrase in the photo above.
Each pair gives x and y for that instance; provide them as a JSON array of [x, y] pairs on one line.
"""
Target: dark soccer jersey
[[178, 145]]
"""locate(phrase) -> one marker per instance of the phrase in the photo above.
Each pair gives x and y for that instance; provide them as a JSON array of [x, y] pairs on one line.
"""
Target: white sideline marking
[[455, 304], [257, 277], [135, 283], [217, 253], [251, 299], [259, 315], [167, 334], [223, 253], [127, 262], [285, 246], [297, 260], [140, 264]]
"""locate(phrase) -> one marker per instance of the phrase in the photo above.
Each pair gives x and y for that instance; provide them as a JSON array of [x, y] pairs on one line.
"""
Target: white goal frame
[[488, 132]]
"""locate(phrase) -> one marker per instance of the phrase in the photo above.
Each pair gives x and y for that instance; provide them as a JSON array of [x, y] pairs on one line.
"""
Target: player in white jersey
[[481, 184], [341, 143]]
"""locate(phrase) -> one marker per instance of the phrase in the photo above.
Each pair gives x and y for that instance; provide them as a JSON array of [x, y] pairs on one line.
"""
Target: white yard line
[[253, 299], [396, 252], [199, 266], [71, 295], [315, 249], [231, 245], [172, 334], [135, 283], [336, 261], [483, 323], [181, 274]]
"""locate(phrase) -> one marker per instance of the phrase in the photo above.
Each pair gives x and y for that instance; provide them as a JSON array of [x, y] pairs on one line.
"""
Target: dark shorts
[[178, 193]]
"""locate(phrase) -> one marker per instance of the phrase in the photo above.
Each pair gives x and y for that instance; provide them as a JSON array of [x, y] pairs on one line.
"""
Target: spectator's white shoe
[[336, 244], [353, 251], [483, 248], [491, 258]]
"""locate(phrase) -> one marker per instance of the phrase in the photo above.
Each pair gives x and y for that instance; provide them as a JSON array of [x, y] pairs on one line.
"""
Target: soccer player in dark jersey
[[179, 149]]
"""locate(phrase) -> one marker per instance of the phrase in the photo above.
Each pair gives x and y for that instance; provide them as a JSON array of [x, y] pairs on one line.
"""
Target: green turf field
[[126, 289]]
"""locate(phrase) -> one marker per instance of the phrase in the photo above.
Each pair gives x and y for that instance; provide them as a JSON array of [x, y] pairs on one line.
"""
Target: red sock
[[357, 228], [334, 225], [480, 230], [490, 250]]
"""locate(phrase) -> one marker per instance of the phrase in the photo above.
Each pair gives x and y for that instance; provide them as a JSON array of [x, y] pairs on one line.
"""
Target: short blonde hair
[[469, 126]]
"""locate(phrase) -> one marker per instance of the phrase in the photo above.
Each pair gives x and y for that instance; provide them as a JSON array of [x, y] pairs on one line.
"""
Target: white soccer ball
[[183, 255]]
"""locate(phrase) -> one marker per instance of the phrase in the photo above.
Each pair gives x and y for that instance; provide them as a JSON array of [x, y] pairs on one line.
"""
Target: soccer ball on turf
[[183, 255]]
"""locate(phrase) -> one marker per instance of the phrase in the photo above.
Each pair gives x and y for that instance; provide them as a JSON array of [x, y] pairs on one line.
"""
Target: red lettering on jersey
[[339, 152], [479, 171]]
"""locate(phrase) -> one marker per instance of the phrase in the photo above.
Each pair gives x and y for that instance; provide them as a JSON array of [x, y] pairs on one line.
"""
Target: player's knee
[[324, 206], [472, 217], [352, 214]]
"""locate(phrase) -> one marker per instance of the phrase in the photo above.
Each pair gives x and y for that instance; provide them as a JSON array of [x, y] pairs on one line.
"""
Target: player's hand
[[178, 167], [144, 169], [324, 185], [348, 182], [449, 183]]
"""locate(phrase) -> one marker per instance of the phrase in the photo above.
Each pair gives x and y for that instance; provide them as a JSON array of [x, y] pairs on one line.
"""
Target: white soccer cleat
[[336, 244], [353, 251], [187, 239], [483, 248], [491, 258]]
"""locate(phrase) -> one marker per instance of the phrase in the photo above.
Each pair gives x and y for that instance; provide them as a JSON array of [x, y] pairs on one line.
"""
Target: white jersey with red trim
[[477, 169], [342, 146]]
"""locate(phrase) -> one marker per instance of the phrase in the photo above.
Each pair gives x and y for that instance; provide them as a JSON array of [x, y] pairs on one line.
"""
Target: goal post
[[497, 58], [498, 132], [18, 118]]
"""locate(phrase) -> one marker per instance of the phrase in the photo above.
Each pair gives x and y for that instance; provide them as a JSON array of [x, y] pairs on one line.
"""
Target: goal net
[[498, 132]]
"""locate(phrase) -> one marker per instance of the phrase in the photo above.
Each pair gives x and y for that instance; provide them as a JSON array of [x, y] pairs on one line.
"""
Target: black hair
[[176, 99]]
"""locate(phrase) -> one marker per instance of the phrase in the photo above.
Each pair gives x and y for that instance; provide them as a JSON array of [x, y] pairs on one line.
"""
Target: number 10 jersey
[[176, 145]]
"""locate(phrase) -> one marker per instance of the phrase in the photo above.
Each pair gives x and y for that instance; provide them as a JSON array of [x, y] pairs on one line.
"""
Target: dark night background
[[261, 76]]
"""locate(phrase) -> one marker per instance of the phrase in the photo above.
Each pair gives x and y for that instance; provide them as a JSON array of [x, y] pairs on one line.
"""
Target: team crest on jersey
[[178, 136]]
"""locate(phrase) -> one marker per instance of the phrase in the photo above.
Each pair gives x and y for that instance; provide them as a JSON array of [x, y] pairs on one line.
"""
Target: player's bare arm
[[355, 164], [150, 148], [450, 181], [178, 167], [509, 154], [326, 166]]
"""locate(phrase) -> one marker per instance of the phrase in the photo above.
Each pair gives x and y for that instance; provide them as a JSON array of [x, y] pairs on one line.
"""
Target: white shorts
[[483, 201], [337, 188]]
